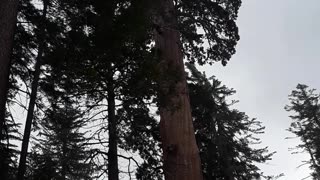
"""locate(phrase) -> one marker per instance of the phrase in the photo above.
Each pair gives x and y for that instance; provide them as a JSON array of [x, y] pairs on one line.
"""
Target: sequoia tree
[[176, 34], [180, 152]]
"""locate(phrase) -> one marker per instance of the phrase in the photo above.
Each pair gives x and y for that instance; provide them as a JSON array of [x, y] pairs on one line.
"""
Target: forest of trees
[[111, 90]]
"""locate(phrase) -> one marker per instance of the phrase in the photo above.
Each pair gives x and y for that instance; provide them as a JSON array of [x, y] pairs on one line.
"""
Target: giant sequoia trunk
[[33, 96], [8, 17], [180, 151]]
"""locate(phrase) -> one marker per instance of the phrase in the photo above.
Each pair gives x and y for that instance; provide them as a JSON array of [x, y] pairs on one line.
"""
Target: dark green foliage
[[60, 151], [11, 136], [305, 108], [224, 136], [208, 22], [85, 65], [208, 29], [8, 146], [140, 133], [41, 166]]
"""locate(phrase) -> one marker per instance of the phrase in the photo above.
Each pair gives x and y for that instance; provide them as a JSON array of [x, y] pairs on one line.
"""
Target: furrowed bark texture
[[8, 18], [181, 154]]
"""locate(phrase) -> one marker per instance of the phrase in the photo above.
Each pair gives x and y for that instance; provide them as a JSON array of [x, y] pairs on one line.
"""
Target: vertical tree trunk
[[113, 171], [180, 151], [225, 161], [104, 36], [313, 161], [8, 17], [63, 161], [212, 151], [33, 96]]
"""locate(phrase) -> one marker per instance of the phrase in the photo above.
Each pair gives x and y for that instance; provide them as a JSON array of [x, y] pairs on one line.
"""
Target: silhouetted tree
[[10, 136], [61, 151], [305, 107], [34, 90], [225, 136], [109, 66]]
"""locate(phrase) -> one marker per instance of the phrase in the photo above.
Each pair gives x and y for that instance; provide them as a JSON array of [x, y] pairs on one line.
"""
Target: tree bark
[[33, 97], [113, 171], [8, 14], [180, 151], [8, 18]]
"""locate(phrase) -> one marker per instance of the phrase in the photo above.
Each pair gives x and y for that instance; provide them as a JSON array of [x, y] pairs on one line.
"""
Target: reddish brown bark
[[181, 154], [8, 16]]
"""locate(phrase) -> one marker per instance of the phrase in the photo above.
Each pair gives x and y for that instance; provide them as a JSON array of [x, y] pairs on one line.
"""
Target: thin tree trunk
[[227, 171], [8, 18], [212, 150], [113, 171], [104, 27], [63, 161], [180, 151], [309, 149], [33, 96]]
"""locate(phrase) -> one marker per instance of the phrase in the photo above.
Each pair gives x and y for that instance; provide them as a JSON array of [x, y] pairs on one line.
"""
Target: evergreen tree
[[34, 90], [60, 151], [224, 135], [220, 31], [139, 133], [10, 136], [19, 74], [305, 109], [109, 67]]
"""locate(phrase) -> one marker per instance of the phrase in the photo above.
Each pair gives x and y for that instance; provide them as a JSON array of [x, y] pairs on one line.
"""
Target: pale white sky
[[279, 48]]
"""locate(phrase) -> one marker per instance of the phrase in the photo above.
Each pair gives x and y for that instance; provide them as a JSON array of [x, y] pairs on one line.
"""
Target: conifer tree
[[11, 136], [34, 90], [171, 18], [305, 109], [224, 135], [61, 151]]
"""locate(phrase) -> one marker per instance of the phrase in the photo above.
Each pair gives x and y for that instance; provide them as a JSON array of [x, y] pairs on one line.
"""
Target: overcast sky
[[279, 48]]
